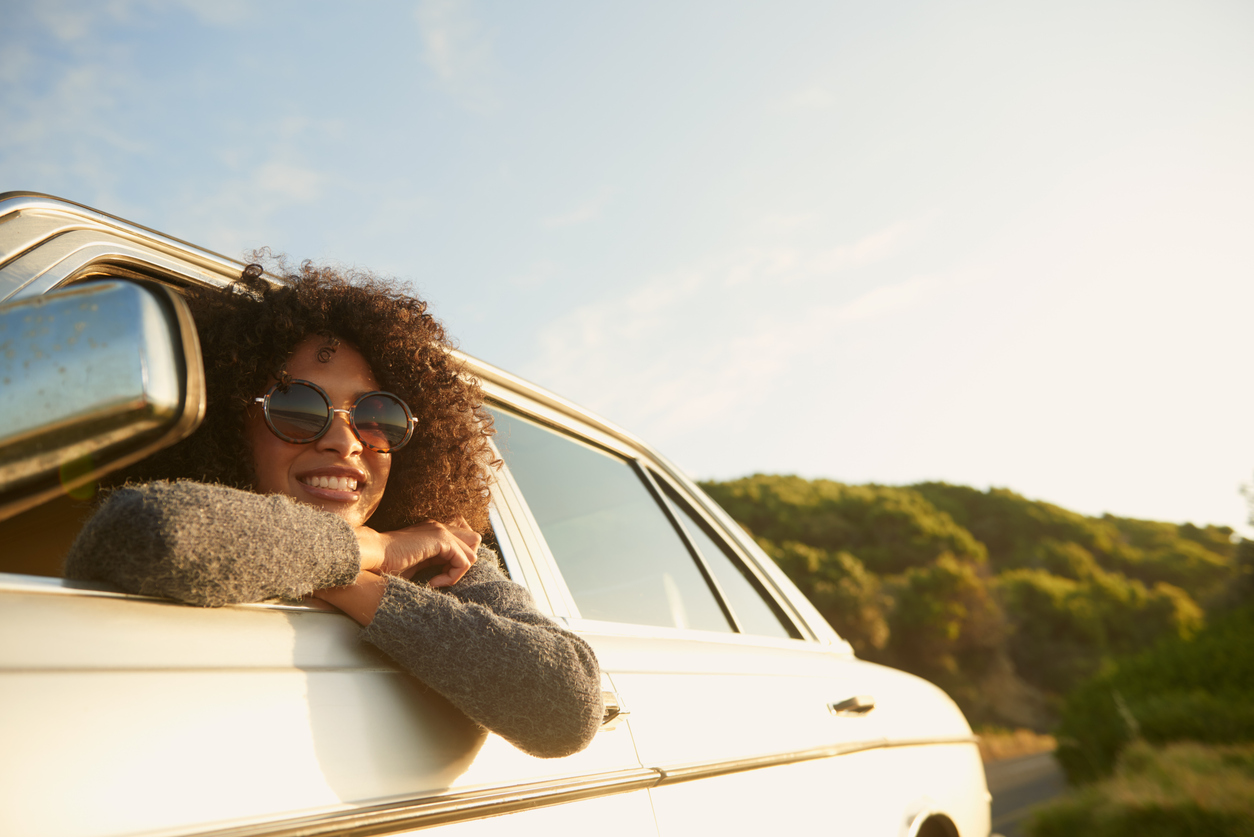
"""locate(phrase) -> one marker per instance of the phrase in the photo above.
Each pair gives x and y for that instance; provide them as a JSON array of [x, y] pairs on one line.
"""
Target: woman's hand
[[405, 551]]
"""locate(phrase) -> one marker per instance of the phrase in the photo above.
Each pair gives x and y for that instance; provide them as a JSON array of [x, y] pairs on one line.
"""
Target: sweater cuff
[[344, 557]]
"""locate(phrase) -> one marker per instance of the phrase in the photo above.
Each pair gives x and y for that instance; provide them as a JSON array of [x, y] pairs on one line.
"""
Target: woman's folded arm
[[483, 645], [211, 545]]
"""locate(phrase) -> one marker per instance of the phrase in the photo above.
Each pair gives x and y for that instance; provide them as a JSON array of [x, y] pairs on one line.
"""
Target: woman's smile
[[330, 482]]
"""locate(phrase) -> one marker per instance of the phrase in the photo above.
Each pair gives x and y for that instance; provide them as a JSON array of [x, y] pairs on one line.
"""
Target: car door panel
[[166, 716]]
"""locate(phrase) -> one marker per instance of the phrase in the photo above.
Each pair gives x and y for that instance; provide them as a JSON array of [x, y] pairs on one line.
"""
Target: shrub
[[1182, 689], [1175, 791]]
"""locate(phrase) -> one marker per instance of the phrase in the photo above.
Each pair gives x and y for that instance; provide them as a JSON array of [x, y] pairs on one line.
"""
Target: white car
[[731, 706]]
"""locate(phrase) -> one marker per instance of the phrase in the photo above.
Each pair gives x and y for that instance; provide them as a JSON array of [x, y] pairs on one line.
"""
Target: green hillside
[[1006, 602]]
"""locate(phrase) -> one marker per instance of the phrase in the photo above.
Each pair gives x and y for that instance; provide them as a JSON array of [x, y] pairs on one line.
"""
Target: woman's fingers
[[432, 544], [468, 535], [453, 572]]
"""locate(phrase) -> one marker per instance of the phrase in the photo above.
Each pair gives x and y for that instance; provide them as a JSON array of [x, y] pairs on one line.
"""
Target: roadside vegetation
[[1131, 639], [1181, 690], [1184, 788], [1007, 603]]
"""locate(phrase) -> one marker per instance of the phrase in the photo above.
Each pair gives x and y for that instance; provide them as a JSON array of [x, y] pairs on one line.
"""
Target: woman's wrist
[[372, 549], [359, 600]]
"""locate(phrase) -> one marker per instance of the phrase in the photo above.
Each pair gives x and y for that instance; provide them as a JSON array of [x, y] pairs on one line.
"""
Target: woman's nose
[[340, 436]]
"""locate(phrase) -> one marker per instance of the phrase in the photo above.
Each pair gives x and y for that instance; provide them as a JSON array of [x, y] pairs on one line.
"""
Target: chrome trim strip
[[46, 241], [409, 814], [421, 812], [703, 770], [58, 215]]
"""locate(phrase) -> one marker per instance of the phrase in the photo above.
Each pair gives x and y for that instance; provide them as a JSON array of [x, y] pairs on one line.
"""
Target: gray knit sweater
[[481, 643]]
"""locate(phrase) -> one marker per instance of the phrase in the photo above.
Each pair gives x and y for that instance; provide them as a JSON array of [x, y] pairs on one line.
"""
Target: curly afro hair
[[246, 339]]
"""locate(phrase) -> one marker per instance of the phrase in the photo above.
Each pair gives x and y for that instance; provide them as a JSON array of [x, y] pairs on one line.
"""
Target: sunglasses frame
[[351, 413]]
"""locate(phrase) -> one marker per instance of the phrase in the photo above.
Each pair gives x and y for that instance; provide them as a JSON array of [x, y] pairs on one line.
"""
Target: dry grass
[[997, 744]]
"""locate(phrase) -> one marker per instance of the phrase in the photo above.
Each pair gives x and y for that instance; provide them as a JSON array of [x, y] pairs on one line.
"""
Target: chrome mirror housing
[[93, 378]]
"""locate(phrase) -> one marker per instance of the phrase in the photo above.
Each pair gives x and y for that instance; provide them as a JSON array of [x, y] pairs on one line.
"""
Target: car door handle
[[856, 705], [613, 709]]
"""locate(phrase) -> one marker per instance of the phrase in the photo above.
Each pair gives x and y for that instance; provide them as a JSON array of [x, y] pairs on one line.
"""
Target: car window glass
[[755, 612], [620, 555]]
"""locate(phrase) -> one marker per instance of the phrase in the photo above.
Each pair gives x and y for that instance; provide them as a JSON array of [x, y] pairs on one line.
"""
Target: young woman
[[343, 456]]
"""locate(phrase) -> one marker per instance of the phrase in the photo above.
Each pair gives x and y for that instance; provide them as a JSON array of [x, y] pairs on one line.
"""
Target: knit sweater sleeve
[[483, 645], [211, 545]]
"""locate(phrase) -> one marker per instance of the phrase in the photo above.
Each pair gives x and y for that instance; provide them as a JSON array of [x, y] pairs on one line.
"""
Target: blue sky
[[988, 243]]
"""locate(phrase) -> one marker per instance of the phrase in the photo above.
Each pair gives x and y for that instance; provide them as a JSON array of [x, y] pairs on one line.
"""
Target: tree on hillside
[[946, 625], [1010, 526], [838, 585], [888, 529], [1199, 561], [1029, 534], [1063, 629]]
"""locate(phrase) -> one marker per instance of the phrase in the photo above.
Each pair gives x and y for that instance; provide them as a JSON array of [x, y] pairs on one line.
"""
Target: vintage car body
[[732, 707]]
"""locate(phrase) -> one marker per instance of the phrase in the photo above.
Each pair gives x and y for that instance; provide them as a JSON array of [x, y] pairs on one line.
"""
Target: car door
[[151, 715], [728, 692]]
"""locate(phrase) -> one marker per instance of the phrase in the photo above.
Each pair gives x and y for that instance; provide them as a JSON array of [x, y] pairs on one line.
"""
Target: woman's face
[[336, 472]]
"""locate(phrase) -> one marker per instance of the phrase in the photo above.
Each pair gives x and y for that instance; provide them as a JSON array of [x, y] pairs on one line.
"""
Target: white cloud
[[213, 12], [536, 276], [458, 51], [72, 22], [585, 212], [243, 208], [808, 98], [61, 131], [714, 338], [883, 301], [794, 265], [282, 180], [874, 247], [790, 222]]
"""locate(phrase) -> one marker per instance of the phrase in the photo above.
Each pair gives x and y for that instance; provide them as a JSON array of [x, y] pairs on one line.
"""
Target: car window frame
[[779, 603], [651, 471]]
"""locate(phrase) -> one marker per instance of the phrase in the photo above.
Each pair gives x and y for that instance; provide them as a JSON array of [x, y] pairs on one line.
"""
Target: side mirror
[[92, 378]]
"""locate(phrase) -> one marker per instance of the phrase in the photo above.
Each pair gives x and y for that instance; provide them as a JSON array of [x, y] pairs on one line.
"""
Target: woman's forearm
[[484, 646], [212, 545], [358, 600]]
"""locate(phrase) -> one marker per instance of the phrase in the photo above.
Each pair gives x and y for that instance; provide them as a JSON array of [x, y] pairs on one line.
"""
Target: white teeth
[[333, 483]]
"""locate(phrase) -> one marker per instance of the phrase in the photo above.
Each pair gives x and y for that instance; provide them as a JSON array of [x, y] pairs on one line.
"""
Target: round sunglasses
[[300, 412]]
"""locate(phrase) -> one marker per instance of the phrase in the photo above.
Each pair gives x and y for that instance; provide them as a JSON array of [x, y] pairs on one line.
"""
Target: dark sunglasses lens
[[381, 421], [300, 413]]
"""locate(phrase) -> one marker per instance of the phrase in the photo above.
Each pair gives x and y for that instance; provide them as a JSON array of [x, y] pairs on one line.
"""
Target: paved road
[[1019, 784]]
